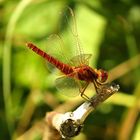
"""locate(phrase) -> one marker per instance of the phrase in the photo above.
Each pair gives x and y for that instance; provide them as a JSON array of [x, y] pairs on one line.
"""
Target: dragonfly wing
[[67, 86], [80, 59], [56, 48]]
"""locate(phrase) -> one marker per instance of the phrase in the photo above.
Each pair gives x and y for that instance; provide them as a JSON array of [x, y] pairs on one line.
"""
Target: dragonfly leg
[[84, 96], [96, 85]]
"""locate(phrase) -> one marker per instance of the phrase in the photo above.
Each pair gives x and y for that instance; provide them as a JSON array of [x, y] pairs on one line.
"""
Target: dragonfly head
[[102, 76]]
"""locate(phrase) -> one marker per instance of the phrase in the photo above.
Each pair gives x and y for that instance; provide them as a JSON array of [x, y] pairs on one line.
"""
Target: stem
[[70, 123], [7, 61]]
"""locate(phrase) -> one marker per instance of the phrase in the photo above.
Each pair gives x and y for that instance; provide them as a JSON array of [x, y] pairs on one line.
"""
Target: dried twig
[[69, 124]]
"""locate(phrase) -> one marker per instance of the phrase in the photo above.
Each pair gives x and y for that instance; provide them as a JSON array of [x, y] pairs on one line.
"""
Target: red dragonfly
[[80, 75]]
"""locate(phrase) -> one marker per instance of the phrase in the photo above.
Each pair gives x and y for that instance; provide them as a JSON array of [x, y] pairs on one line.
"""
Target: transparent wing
[[74, 30], [80, 57], [55, 44], [83, 57], [69, 86], [56, 48], [60, 45]]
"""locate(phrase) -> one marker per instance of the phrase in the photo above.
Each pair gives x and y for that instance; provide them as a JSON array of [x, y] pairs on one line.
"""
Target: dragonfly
[[79, 75]]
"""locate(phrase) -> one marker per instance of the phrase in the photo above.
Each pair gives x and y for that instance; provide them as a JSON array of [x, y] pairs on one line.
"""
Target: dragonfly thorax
[[86, 73]]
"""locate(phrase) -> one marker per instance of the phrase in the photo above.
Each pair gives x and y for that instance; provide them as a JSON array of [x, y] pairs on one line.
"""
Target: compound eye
[[103, 76]]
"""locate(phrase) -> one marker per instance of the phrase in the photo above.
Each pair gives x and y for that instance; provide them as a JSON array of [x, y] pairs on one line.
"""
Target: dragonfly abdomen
[[66, 69]]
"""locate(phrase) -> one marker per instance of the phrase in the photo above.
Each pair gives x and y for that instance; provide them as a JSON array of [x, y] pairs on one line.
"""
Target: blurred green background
[[108, 29]]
